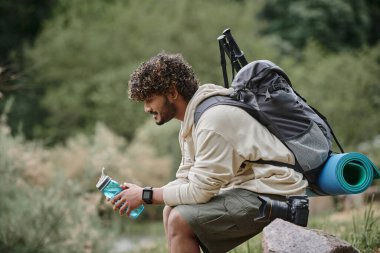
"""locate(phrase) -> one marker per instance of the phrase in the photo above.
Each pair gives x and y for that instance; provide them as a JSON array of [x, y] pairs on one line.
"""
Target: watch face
[[146, 194]]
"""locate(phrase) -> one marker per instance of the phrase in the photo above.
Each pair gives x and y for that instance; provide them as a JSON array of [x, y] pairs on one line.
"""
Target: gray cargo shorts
[[226, 221]]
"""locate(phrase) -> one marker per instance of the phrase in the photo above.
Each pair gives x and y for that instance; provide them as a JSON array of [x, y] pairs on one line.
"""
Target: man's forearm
[[158, 196]]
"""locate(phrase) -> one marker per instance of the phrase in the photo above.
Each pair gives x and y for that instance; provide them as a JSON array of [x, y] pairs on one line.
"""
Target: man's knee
[[177, 224]]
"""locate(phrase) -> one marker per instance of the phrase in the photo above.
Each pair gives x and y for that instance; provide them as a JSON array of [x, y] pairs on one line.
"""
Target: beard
[[168, 112]]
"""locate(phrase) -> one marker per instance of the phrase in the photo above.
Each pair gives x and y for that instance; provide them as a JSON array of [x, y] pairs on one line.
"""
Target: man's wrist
[[147, 195]]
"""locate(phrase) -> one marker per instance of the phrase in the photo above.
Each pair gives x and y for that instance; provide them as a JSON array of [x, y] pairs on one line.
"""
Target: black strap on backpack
[[327, 123]]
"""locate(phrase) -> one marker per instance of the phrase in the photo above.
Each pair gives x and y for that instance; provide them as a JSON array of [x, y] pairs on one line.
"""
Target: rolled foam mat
[[347, 173]]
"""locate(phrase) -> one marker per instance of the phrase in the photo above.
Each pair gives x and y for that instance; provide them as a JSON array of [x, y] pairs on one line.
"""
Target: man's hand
[[130, 197]]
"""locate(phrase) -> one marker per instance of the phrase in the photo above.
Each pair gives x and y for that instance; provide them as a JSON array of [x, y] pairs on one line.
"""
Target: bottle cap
[[103, 180]]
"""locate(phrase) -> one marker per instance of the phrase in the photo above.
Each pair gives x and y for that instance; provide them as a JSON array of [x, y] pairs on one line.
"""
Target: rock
[[284, 237]]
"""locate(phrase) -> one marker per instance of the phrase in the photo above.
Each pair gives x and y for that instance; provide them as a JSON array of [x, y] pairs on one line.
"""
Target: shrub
[[34, 218], [48, 199]]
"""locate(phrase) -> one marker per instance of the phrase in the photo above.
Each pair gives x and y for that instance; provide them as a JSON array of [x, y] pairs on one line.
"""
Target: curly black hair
[[161, 73]]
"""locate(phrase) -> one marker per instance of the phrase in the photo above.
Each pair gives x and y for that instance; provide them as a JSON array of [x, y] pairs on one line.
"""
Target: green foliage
[[48, 199], [372, 149], [21, 20], [84, 56], [35, 219], [337, 25], [76, 72]]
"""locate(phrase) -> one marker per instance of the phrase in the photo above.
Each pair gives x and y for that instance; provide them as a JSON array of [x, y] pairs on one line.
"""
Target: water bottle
[[110, 188]]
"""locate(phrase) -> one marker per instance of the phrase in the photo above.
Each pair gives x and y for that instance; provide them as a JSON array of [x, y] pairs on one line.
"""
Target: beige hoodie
[[213, 153]]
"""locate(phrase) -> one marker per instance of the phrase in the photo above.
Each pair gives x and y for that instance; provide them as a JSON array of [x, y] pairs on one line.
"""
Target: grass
[[366, 231]]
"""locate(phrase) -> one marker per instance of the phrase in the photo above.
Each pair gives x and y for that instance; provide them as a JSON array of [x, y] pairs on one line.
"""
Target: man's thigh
[[226, 221]]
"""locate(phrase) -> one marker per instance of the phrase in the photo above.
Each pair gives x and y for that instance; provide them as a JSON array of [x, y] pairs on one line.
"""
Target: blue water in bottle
[[110, 188]]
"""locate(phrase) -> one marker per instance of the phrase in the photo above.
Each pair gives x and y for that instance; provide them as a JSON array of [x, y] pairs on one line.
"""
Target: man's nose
[[147, 108]]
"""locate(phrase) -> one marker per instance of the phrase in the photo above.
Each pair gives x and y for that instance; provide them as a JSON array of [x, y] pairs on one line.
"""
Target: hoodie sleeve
[[212, 169]]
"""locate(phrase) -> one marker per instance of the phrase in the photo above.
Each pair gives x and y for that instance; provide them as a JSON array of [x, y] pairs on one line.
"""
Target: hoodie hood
[[203, 92]]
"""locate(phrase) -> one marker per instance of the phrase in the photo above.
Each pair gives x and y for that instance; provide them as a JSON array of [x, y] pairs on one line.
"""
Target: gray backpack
[[263, 89]]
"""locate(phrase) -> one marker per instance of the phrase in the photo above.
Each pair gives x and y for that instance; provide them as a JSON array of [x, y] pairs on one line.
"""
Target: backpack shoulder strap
[[218, 100], [205, 105]]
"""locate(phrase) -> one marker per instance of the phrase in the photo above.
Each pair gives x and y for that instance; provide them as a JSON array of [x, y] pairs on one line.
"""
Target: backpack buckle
[[275, 87]]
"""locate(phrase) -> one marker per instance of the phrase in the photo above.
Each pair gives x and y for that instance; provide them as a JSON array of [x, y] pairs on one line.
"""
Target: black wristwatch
[[147, 195]]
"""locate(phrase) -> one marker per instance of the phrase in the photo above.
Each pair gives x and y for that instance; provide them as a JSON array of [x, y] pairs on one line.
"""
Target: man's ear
[[173, 94]]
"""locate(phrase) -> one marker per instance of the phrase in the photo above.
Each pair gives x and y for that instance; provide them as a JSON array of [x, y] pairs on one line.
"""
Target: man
[[214, 200]]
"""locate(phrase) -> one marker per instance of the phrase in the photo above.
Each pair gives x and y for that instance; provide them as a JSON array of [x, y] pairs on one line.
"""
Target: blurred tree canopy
[[20, 23], [337, 25], [81, 62], [75, 72]]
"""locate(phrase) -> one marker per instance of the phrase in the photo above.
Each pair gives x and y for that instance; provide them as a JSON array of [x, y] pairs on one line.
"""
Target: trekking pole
[[230, 53], [235, 51], [222, 48], [227, 47]]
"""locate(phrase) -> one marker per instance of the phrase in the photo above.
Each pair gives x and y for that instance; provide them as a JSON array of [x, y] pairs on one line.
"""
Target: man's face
[[161, 109]]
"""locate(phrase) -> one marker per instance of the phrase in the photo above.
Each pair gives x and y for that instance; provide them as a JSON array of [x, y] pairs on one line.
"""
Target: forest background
[[64, 68]]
